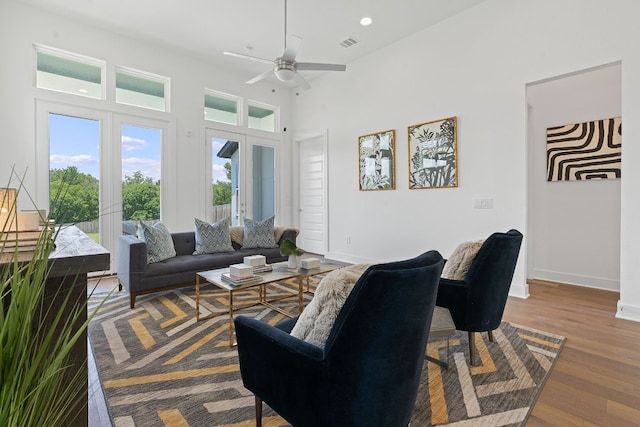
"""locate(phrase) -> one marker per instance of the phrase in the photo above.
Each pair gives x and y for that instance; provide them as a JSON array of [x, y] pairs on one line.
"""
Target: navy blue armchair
[[477, 302], [369, 370]]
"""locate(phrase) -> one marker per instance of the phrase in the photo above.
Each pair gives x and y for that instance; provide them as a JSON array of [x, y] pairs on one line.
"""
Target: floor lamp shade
[[8, 201]]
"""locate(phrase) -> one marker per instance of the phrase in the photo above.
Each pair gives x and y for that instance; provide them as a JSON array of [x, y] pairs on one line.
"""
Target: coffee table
[[305, 274], [280, 272], [214, 277], [441, 326]]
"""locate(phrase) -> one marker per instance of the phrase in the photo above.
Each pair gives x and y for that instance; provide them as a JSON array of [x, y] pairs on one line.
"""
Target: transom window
[[263, 116], [69, 73], [142, 89], [222, 107]]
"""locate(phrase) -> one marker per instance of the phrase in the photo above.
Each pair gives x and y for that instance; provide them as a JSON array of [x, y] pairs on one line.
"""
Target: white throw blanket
[[318, 317]]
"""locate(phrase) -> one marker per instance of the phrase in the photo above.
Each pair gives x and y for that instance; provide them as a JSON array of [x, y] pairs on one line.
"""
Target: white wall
[[575, 225], [22, 26], [475, 66]]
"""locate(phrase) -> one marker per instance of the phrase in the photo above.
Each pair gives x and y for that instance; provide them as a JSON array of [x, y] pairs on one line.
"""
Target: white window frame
[[237, 99], [166, 81], [276, 115], [38, 48]]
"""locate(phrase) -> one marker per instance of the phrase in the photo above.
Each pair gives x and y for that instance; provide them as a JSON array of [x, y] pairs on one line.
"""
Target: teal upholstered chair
[[477, 302], [369, 370]]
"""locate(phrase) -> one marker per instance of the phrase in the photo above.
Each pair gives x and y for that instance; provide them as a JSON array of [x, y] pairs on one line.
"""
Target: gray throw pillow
[[317, 319], [212, 238], [159, 242], [460, 260], [259, 234]]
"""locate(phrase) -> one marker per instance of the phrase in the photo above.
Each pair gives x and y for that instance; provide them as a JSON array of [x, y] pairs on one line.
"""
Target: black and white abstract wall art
[[583, 151]]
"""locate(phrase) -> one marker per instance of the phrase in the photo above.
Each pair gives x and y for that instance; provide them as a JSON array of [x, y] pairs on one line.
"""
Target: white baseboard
[[351, 259], [628, 312], [576, 279], [519, 290]]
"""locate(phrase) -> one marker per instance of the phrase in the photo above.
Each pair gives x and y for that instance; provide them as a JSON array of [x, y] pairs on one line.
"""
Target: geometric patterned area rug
[[159, 367]]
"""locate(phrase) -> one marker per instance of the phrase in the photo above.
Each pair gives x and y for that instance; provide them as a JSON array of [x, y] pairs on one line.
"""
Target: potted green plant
[[39, 385], [289, 249]]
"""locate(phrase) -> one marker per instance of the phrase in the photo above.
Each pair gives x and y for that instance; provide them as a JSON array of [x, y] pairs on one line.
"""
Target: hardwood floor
[[596, 380]]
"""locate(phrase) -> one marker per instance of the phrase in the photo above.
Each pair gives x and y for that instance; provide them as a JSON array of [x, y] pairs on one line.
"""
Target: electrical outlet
[[348, 240]]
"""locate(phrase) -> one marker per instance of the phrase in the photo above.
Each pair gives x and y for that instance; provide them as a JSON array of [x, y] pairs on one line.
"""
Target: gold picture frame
[[376, 158], [433, 154]]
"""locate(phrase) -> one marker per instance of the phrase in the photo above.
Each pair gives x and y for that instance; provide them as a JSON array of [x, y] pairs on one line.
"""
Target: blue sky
[[75, 142]]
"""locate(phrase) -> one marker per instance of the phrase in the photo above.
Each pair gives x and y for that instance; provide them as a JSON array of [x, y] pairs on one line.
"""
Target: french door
[[97, 169], [242, 172]]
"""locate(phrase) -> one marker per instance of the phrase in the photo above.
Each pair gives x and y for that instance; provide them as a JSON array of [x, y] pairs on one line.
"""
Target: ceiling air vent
[[348, 42]]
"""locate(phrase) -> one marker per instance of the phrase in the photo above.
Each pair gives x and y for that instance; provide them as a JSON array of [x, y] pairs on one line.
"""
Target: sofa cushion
[[460, 260], [317, 319], [159, 242], [258, 234], [212, 238]]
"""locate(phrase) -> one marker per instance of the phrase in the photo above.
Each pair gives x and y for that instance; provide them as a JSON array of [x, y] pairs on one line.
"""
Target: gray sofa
[[139, 277]]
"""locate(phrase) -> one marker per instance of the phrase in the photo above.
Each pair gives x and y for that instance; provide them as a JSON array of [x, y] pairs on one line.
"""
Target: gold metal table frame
[[279, 273]]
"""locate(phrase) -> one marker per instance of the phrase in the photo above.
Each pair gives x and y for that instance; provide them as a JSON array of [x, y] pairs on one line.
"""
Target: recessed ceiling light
[[366, 21]]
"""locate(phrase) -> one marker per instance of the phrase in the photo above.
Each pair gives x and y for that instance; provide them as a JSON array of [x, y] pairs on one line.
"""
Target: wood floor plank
[[596, 380]]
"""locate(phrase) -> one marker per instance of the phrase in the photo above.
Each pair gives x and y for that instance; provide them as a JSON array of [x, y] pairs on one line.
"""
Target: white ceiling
[[206, 28]]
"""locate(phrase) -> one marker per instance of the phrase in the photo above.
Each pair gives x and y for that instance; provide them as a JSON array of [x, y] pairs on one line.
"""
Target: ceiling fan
[[286, 67]]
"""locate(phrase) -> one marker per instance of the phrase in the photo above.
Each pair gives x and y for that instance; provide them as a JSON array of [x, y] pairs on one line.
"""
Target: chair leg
[[490, 333], [472, 349], [258, 412]]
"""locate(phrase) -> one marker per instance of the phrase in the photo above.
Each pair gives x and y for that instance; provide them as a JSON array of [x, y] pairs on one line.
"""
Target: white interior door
[[313, 194]]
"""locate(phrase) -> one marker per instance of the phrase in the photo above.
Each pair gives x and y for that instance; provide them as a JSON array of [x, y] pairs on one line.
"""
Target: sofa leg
[[258, 412], [490, 333], [132, 300], [472, 349]]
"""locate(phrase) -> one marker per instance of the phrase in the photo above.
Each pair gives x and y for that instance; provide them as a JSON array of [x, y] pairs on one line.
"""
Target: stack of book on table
[[258, 262], [240, 274]]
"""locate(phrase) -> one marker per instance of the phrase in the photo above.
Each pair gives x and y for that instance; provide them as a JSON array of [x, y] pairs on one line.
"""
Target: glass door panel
[[264, 182], [141, 154], [224, 178], [74, 172]]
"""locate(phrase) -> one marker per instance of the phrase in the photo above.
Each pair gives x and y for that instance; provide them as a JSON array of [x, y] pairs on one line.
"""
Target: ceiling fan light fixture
[[284, 70]]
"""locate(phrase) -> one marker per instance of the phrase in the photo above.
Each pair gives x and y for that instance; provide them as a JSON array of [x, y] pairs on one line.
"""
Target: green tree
[[222, 189], [73, 195], [140, 197]]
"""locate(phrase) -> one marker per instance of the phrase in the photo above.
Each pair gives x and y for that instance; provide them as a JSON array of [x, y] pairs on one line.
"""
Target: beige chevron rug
[[159, 367]]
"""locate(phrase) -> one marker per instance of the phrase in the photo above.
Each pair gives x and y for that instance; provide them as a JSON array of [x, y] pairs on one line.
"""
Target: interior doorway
[[313, 205], [573, 226]]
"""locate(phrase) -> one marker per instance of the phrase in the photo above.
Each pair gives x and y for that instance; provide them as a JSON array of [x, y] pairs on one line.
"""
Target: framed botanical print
[[377, 160], [433, 158]]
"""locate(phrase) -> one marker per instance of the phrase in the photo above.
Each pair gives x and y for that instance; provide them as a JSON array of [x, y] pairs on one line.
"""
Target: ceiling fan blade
[[302, 83], [253, 58], [293, 45], [260, 77], [313, 66]]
